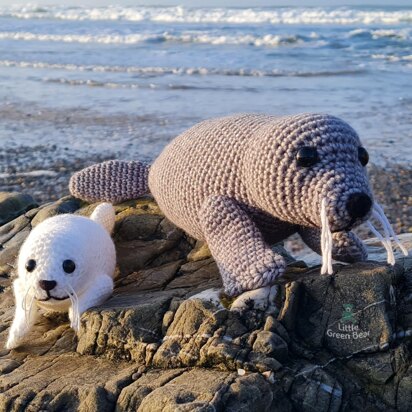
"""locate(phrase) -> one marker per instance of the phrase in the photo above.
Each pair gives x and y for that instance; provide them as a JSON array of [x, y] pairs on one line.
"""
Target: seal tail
[[112, 181]]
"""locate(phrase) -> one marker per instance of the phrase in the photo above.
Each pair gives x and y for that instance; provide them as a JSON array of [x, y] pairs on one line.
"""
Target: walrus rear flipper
[[112, 181]]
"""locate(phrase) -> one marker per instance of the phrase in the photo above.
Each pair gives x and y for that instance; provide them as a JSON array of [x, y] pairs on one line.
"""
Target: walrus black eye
[[30, 265], [69, 266], [363, 156], [307, 156]]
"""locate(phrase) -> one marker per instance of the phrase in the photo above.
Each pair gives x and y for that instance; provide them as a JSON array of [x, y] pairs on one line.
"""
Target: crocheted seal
[[244, 182], [66, 264]]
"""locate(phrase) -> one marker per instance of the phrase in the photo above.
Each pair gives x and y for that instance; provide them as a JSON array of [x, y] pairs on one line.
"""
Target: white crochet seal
[[66, 264]]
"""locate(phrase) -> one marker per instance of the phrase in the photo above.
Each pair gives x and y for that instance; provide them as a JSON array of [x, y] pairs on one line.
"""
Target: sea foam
[[268, 40], [160, 71], [181, 14]]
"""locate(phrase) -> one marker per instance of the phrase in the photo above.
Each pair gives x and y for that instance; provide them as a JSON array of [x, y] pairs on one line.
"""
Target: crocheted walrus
[[244, 182]]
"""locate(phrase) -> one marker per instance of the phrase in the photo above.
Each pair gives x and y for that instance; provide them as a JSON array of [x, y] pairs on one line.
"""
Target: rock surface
[[13, 205], [166, 341]]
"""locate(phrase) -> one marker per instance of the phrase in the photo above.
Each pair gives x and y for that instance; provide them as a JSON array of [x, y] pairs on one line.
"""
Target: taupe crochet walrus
[[244, 182]]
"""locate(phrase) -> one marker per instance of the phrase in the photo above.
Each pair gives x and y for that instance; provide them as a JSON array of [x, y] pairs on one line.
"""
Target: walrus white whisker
[[378, 208], [326, 241], [390, 258], [386, 237]]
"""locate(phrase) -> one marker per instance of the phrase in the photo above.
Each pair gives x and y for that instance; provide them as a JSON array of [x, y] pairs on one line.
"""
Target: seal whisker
[[26, 308], [27, 315], [326, 241], [75, 305], [72, 301], [23, 302]]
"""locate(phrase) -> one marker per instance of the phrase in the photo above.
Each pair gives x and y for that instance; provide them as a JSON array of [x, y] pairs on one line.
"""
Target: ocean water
[[78, 84]]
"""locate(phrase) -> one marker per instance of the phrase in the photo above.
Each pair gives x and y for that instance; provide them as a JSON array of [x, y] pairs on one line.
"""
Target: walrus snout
[[358, 205]]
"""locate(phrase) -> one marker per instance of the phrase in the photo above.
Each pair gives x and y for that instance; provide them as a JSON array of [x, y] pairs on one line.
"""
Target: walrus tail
[[112, 181]]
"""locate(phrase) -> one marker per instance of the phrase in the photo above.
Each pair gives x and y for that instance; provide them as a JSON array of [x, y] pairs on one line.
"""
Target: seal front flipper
[[347, 247], [244, 259], [112, 181]]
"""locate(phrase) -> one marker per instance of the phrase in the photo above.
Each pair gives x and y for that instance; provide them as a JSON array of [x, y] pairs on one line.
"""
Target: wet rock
[[132, 396], [404, 395], [67, 204], [254, 392], [316, 387], [376, 368], [38, 384], [350, 312], [149, 279], [195, 390], [125, 326], [8, 365], [199, 252], [271, 344], [13, 205], [196, 276], [274, 325], [166, 339]]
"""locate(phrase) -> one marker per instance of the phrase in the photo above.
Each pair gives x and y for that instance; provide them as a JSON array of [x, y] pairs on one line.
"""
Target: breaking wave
[[268, 40], [179, 14], [159, 71], [394, 34]]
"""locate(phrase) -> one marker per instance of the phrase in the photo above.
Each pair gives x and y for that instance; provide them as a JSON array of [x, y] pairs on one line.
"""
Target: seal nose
[[358, 205], [47, 284]]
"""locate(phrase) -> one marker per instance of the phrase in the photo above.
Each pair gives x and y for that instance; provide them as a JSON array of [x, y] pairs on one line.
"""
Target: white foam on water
[[397, 34], [179, 14], [267, 40], [190, 71], [392, 57]]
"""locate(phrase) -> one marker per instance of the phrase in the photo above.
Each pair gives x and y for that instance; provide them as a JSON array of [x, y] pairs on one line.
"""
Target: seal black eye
[[30, 265], [363, 156], [307, 156], [69, 266]]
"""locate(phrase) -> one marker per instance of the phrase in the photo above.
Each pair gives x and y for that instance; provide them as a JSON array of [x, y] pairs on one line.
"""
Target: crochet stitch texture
[[235, 182], [66, 264]]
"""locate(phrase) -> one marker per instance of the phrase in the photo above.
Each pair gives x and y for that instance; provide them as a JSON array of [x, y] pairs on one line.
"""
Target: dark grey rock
[[349, 312], [65, 205], [271, 344], [156, 346], [13, 205]]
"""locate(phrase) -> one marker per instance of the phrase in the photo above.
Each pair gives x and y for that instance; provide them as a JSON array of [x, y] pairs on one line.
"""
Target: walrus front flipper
[[112, 181], [245, 261], [347, 247]]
